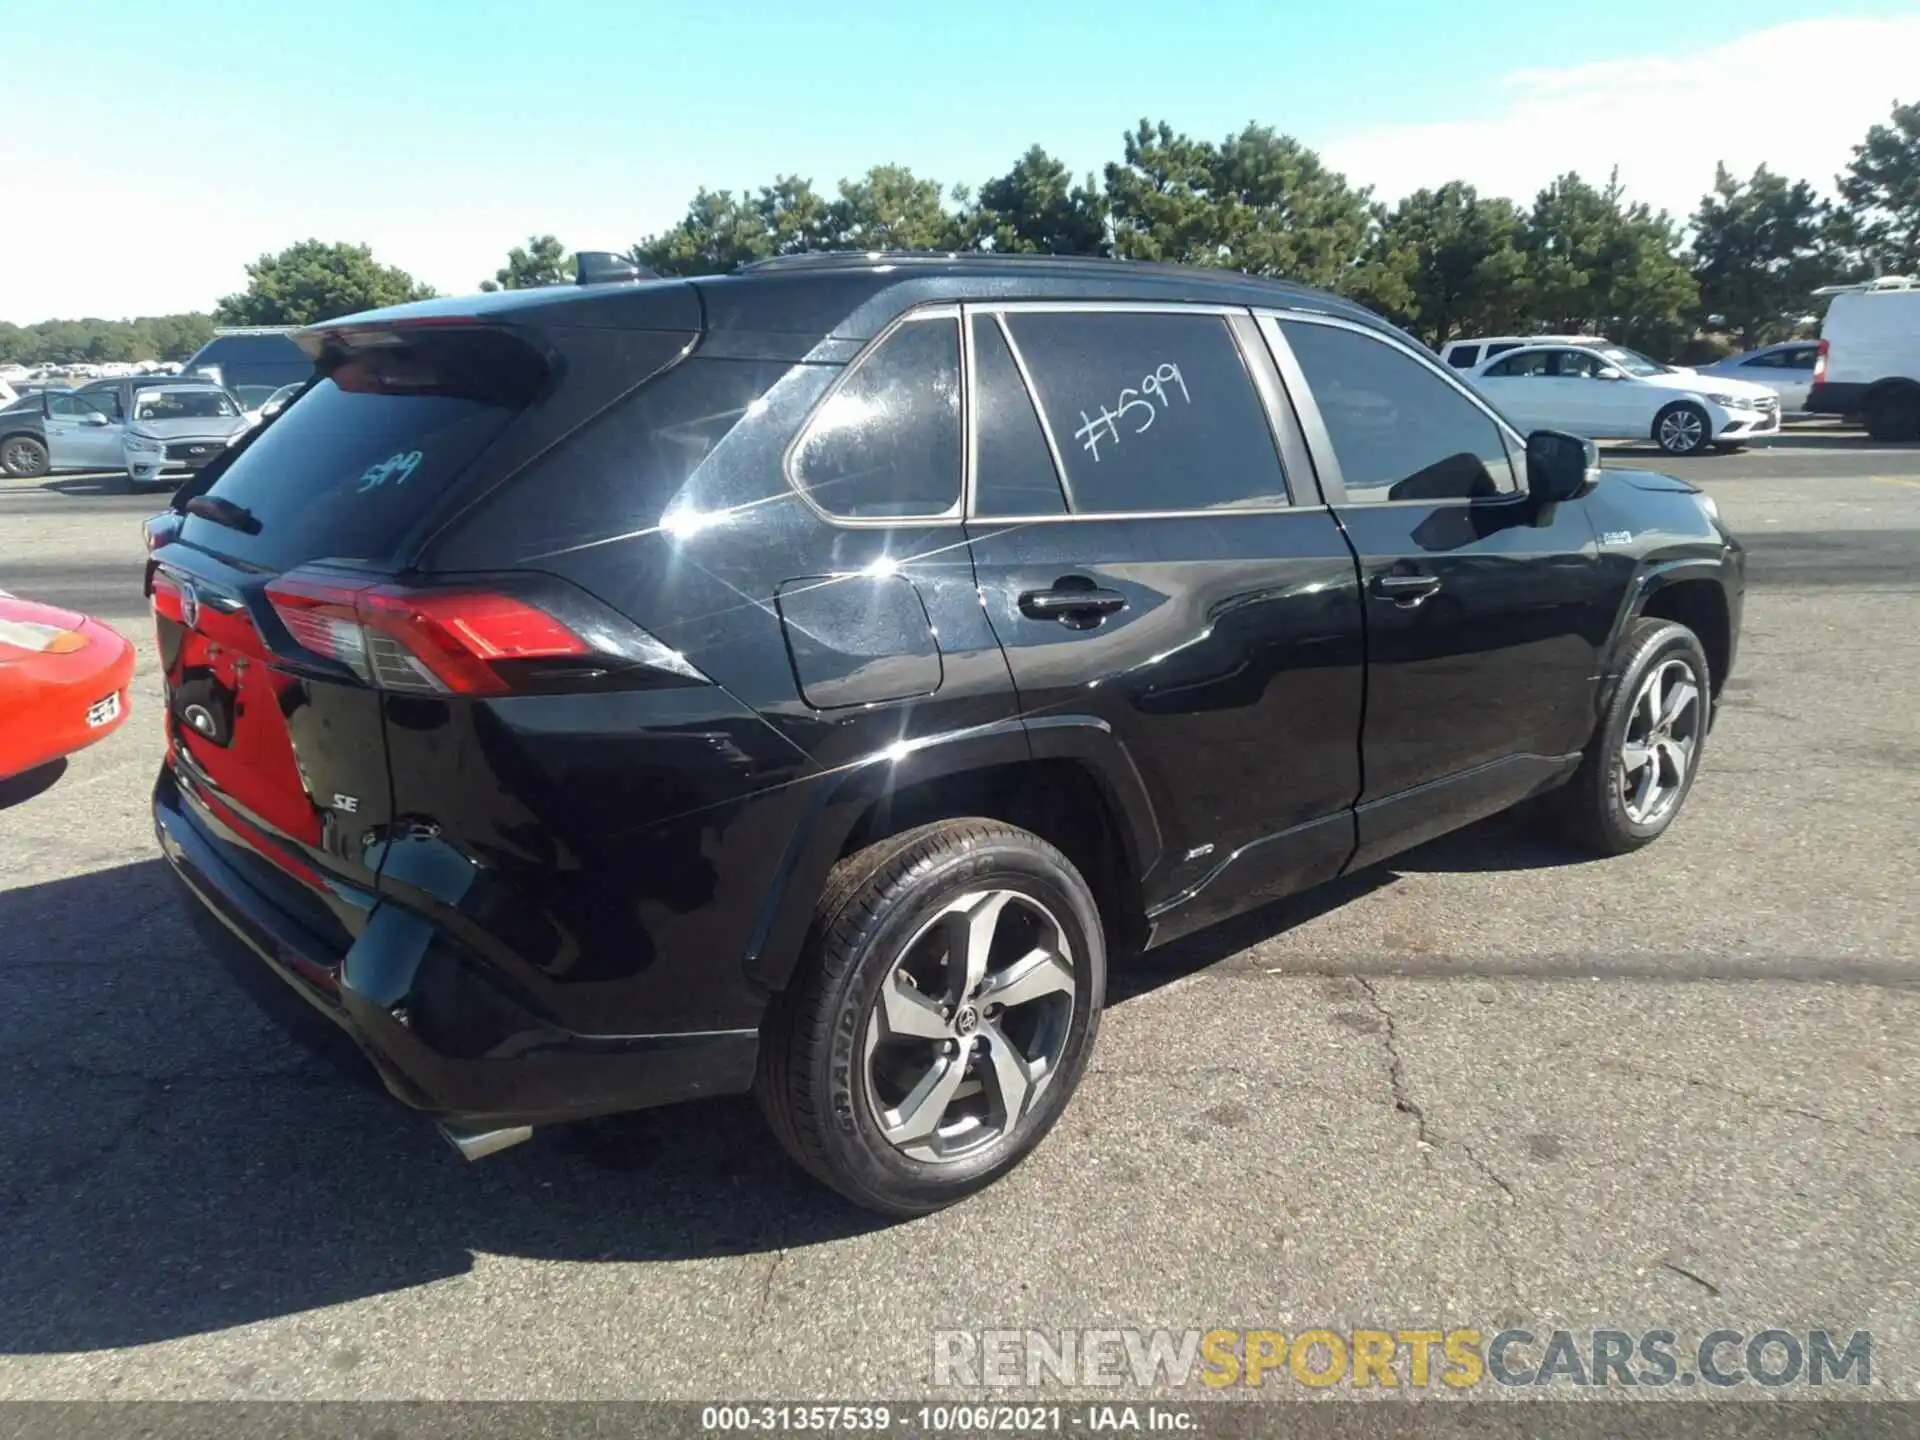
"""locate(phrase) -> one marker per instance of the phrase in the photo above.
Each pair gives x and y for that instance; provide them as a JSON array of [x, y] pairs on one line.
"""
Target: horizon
[[442, 148]]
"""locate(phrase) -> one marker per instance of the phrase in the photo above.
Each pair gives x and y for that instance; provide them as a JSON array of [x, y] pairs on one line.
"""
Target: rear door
[[273, 712], [1155, 569]]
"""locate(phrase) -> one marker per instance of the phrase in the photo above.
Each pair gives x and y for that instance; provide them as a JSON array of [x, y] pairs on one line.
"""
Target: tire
[[1894, 413], [1601, 808], [1682, 429], [23, 457], [833, 1071]]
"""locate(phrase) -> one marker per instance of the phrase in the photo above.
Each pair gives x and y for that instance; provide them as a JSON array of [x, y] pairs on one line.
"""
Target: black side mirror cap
[[1560, 466]]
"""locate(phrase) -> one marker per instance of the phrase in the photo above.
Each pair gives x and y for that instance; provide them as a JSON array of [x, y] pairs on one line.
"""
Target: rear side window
[[346, 472], [886, 444], [1464, 357], [1533, 362], [1500, 347], [1151, 410], [1399, 429], [1013, 468]]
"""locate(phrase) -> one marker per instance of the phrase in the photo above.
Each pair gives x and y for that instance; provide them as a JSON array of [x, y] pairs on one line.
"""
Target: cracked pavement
[[1489, 1083]]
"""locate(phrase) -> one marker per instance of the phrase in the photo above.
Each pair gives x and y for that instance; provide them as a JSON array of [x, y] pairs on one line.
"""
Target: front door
[[1485, 614], [81, 434], [1157, 575]]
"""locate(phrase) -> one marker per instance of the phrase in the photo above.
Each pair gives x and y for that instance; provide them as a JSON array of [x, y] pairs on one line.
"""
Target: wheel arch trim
[[843, 797]]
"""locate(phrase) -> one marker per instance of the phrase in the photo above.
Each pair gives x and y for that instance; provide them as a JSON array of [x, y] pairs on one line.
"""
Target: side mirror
[[1611, 374], [94, 418], [1560, 466]]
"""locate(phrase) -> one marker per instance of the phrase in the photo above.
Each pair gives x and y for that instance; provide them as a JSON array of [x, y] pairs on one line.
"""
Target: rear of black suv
[[449, 803]]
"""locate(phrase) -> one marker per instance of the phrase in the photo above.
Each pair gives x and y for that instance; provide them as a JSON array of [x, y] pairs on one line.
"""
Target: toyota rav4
[[805, 680]]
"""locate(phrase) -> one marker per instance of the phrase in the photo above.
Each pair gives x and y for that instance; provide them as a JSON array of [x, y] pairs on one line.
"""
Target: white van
[[1465, 353], [1869, 362]]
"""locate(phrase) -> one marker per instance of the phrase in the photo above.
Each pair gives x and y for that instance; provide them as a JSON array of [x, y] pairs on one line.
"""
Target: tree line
[[1581, 256], [63, 342]]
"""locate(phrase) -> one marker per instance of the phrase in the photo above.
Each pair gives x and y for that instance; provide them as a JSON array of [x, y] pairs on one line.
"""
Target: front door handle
[[1072, 605], [1408, 590]]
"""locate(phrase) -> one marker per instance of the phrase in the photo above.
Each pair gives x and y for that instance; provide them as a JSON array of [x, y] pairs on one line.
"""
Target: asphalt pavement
[[1490, 1083]]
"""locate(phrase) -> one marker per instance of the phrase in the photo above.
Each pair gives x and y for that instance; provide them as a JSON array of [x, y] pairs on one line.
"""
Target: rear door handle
[[1072, 606], [1405, 589]]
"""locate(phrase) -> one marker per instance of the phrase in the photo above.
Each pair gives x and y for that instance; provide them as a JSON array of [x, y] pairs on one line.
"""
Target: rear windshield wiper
[[223, 512]]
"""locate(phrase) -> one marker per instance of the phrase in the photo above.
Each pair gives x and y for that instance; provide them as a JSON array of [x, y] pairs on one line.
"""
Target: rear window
[[346, 472], [1462, 357]]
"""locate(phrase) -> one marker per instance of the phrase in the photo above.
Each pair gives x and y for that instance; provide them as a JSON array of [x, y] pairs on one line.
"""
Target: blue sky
[[192, 136]]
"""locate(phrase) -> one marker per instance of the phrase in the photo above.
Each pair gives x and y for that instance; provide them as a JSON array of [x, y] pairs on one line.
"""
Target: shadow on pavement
[[172, 1164], [18, 789]]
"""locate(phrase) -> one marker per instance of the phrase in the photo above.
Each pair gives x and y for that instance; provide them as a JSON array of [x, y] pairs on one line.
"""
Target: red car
[[63, 683]]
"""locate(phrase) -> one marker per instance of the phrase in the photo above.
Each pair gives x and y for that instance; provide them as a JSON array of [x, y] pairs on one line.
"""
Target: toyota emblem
[[198, 450], [189, 606]]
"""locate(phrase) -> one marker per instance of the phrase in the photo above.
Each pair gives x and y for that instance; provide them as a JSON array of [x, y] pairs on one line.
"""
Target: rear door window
[[1014, 473], [886, 443], [348, 471], [1151, 410]]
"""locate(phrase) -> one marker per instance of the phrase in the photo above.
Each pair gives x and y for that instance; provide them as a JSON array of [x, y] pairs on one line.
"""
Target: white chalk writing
[[1106, 425]]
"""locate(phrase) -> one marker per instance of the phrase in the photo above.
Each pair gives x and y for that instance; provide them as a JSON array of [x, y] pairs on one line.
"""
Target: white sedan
[[1607, 392]]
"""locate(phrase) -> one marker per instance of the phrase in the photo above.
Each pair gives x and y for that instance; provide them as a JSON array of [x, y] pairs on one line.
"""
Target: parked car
[[817, 707], [23, 439], [1465, 353], [1868, 363], [1786, 369], [1606, 392], [253, 362], [64, 681], [178, 427]]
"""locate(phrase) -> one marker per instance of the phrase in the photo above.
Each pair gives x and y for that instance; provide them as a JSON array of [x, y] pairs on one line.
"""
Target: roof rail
[[1863, 287], [255, 329], [852, 259]]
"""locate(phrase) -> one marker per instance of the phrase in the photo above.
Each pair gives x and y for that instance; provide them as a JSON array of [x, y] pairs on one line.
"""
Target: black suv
[[803, 680]]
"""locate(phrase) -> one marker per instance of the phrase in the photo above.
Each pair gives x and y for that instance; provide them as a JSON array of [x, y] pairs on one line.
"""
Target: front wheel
[[23, 457], [947, 1006], [1639, 765], [1682, 429]]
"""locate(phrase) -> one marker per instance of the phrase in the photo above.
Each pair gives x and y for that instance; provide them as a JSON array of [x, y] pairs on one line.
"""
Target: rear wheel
[[1639, 765], [23, 457], [1682, 429], [944, 1015], [1894, 413]]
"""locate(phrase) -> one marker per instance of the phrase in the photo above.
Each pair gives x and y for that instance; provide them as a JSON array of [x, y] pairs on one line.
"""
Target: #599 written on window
[[1106, 425]]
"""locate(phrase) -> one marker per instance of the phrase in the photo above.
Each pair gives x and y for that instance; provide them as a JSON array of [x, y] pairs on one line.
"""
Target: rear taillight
[[1820, 365], [459, 641]]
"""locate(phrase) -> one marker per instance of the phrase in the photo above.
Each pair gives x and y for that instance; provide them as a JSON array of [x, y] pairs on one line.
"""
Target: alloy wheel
[[1681, 431], [1663, 732], [19, 459], [969, 1026]]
